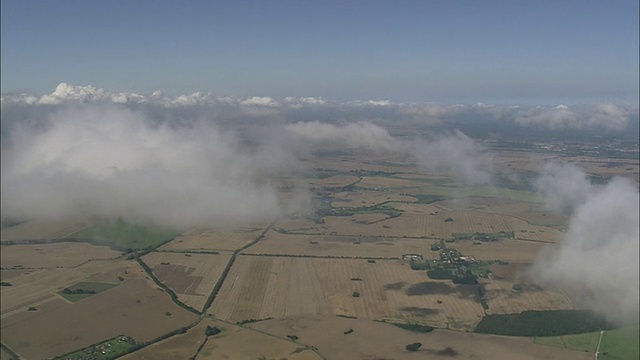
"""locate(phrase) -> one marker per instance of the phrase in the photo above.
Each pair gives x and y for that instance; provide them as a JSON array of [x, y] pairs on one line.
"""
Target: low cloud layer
[[110, 161], [457, 154], [607, 117], [362, 135], [597, 260]]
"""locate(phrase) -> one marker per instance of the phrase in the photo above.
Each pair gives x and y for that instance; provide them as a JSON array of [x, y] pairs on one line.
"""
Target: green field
[[583, 342], [123, 236], [617, 344], [543, 323], [89, 286], [621, 344]]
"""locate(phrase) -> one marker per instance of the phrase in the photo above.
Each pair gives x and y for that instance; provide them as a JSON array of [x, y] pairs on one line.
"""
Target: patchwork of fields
[[308, 286]]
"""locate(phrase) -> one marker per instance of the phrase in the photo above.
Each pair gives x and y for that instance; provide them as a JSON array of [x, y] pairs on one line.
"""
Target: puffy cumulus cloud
[[361, 135], [597, 261], [564, 187], [107, 160], [608, 116], [455, 152], [259, 101], [370, 103], [65, 92]]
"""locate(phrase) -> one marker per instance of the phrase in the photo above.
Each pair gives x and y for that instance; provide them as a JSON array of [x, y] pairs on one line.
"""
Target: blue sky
[[442, 51]]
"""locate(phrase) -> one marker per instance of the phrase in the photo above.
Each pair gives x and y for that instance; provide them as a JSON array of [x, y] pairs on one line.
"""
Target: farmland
[[214, 238], [191, 276], [388, 289], [327, 282]]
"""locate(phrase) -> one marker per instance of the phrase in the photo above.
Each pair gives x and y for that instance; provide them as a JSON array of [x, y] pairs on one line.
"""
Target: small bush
[[517, 287], [212, 331], [355, 294], [371, 261], [413, 346], [293, 337]]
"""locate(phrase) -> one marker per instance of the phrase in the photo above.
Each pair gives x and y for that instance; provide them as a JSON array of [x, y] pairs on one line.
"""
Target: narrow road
[[599, 341]]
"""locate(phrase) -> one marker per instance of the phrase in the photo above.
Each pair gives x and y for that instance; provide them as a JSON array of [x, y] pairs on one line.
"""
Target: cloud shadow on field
[[448, 351], [395, 286], [419, 311], [426, 287]]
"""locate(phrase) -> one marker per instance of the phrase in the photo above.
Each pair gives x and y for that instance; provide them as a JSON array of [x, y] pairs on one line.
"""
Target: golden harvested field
[[218, 238], [610, 167], [416, 208], [333, 181], [59, 327], [330, 245], [46, 256], [534, 214], [503, 300], [181, 346], [509, 250], [232, 343], [38, 230], [434, 225], [381, 182], [259, 287], [377, 340], [426, 221], [368, 198], [191, 276], [298, 225]]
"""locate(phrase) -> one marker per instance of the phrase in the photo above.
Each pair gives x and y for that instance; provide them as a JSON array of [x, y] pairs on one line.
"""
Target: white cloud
[[107, 160], [259, 101], [360, 135], [597, 261], [456, 153], [564, 187]]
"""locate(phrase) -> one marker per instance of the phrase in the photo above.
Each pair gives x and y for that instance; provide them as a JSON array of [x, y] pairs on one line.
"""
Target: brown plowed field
[[45, 256], [259, 287], [39, 285], [219, 238], [132, 308], [333, 181], [191, 276], [236, 342], [38, 230]]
